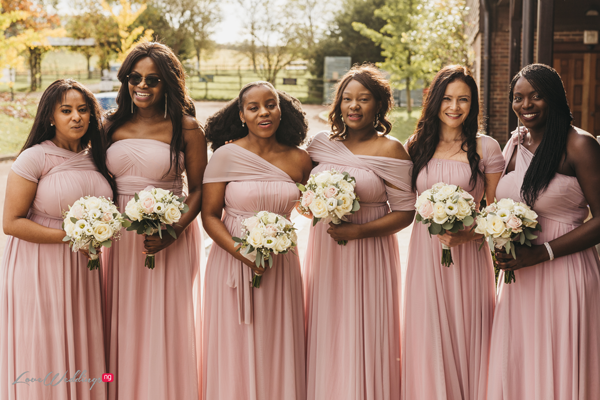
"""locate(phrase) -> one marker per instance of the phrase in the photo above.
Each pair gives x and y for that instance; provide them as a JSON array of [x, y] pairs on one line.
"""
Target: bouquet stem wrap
[[446, 256]]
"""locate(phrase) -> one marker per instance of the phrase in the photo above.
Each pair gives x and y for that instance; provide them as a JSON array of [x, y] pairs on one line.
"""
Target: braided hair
[[549, 154], [423, 143], [226, 124]]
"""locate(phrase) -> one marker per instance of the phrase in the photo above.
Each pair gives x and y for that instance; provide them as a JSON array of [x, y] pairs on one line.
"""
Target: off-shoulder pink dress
[[150, 313], [449, 310], [546, 335], [50, 303], [352, 291], [253, 339]]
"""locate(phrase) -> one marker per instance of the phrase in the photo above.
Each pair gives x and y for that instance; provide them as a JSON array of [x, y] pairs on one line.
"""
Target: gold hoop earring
[[166, 98]]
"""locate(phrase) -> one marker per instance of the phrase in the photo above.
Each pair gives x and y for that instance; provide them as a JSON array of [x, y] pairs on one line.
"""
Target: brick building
[[503, 35]]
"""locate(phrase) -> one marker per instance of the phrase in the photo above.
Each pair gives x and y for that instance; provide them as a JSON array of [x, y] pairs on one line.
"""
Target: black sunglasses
[[135, 79]]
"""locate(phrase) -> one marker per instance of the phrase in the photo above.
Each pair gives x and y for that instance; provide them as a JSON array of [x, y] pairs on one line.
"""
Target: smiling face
[[530, 108], [260, 111], [456, 105], [359, 108], [142, 94], [71, 116]]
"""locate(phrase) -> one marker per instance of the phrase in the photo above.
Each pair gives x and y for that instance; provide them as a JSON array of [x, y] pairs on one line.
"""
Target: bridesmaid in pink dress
[[253, 338], [545, 340], [150, 313], [352, 291], [449, 310], [50, 303]]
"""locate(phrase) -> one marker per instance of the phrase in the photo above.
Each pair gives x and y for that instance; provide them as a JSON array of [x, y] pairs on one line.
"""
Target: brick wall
[[497, 126], [572, 36]]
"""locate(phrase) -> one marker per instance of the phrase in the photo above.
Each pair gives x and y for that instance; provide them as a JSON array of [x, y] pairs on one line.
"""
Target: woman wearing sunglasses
[[154, 138]]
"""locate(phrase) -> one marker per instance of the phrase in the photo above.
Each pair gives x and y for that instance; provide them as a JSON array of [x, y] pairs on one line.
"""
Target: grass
[[16, 119], [403, 125]]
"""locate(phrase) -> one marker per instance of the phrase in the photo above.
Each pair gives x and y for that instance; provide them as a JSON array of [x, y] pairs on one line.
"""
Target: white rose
[[481, 225], [439, 196], [159, 194], [159, 208], [347, 203], [319, 208], [448, 190], [323, 178], [439, 213], [172, 214], [271, 218], [495, 226], [255, 238], [93, 203], [499, 243], [132, 210], [506, 204], [464, 208], [438, 186], [283, 243], [337, 177], [532, 215], [102, 232], [69, 227]]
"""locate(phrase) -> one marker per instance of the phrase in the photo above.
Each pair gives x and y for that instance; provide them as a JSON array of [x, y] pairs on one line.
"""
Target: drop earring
[[376, 122], [132, 106], [243, 124], [51, 124], [166, 105]]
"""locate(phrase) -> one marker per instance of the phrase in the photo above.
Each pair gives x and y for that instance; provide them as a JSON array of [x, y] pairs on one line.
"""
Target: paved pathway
[[204, 110]]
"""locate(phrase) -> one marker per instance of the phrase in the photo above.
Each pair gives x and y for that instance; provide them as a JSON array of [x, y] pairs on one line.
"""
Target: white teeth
[[453, 115], [142, 94], [528, 115]]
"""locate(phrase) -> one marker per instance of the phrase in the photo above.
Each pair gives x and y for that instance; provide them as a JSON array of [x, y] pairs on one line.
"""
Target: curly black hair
[[226, 124]]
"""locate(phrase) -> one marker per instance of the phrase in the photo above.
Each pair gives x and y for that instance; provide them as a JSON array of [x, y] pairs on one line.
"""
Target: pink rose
[[148, 204], [308, 198], [514, 223], [251, 223], [107, 217], [330, 192], [270, 230], [77, 211], [426, 209], [491, 208]]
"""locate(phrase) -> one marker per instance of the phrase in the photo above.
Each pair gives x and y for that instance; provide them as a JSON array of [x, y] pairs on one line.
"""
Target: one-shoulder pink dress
[[546, 335], [352, 291], [449, 310], [50, 303], [150, 313], [253, 338]]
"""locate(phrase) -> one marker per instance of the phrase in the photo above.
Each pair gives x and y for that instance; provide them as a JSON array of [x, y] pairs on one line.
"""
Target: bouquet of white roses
[[150, 209], [445, 208], [329, 195], [91, 223], [504, 222], [265, 234]]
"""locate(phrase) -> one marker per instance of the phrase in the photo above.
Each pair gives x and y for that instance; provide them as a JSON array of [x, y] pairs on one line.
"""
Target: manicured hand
[[154, 244], [526, 257], [455, 239], [344, 231], [86, 253]]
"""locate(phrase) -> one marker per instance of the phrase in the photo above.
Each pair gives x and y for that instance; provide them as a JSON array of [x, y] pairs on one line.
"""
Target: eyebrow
[[69, 106], [151, 74], [257, 102]]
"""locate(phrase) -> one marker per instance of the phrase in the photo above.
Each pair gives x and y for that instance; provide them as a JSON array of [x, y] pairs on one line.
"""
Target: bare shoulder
[[192, 130], [392, 148], [581, 143], [300, 158]]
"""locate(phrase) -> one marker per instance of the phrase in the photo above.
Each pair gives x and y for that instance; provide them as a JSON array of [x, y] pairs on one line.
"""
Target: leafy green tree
[[418, 38], [341, 39]]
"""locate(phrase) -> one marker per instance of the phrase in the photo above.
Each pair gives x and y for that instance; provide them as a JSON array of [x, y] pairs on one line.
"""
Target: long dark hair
[[373, 79], [548, 156], [179, 101], [93, 137], [423, 143], [226, 124]]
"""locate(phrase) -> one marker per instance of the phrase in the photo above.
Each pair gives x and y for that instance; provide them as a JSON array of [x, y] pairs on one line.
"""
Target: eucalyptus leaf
[[447, 225], [355, 206], [107, 243], [148, 230], [136, 197], [237, 239], [418, 218], [512, 251], [315, 220], [257, 261], [270, 260], [468, 221], [126, 224], [73, 220], [92, 250], [172, 232], [522, 238], [301, 187], [507, 247], [186, 208], [529, 235], [66, 238], [434, 228]]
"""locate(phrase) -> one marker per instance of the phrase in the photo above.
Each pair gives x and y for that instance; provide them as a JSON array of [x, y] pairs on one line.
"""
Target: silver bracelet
[[550, 253]]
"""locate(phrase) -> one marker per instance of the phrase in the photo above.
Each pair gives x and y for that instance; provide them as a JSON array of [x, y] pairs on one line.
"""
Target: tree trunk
[[408, 105], [199, 55], [35, 75], [88, 56]]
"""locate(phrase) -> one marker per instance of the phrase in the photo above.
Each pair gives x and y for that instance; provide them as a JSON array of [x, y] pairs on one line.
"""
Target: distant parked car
[[107, 100]]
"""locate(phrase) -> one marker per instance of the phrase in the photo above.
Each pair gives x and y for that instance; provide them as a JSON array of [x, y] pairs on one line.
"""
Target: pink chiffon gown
[[150, 313], [50, 303], [449, 310], [546, 335], [352, 291], [253, 338]]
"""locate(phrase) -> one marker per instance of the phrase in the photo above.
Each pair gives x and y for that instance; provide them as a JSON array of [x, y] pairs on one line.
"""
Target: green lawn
[[404, 125]]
